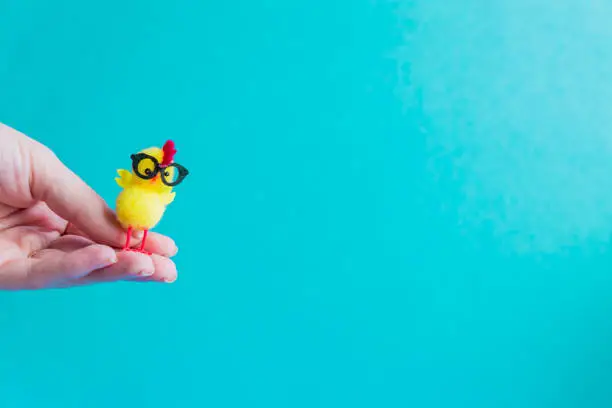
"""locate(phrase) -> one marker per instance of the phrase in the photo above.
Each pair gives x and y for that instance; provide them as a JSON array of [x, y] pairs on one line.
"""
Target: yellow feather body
[[142, 203], [139, 208]]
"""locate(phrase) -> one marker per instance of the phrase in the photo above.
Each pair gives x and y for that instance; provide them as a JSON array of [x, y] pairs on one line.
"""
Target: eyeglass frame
[[139, 157]]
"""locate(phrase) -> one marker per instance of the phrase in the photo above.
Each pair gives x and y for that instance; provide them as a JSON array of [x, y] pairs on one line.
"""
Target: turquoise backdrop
[[391, 203]]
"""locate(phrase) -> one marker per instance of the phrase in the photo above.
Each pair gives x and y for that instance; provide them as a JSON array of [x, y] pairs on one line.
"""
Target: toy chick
[[147, 190]]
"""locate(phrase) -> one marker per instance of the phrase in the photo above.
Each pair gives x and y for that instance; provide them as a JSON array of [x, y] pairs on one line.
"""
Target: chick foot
[[141, 249]]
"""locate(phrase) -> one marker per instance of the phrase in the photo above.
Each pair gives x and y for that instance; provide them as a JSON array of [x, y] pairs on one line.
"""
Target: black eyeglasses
[[147, 167]]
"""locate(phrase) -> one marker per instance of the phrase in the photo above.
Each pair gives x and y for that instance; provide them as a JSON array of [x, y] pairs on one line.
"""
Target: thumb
[[72, 199]]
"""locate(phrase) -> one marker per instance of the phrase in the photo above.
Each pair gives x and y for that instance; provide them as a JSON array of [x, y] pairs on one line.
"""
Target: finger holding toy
[[71, 198]]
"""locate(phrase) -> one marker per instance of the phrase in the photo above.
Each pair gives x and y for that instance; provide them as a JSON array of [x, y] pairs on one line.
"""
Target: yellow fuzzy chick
[[147, 190]]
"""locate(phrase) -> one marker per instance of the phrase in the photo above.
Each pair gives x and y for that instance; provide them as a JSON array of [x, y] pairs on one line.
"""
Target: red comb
[[169, 152]]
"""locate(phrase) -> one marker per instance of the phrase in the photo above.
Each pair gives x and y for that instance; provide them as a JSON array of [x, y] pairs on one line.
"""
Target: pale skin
[[57, 232]]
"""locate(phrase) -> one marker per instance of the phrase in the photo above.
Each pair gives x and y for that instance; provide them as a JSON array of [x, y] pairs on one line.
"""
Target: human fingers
[[53, 268], [160, 244], [70, 243], [20, 242], [130, 268], [72, 199], [165, 271], [39, 214], [130, 265]]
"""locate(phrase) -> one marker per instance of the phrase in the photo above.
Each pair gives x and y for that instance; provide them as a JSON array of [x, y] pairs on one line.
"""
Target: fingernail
[[137, 234], [169, 280], [145, 273], [111, 260]]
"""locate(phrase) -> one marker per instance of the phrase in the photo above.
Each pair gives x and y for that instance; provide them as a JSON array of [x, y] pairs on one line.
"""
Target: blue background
[[392, 203]]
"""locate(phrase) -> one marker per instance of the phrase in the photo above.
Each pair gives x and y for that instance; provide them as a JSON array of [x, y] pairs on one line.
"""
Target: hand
[[56, 232]]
